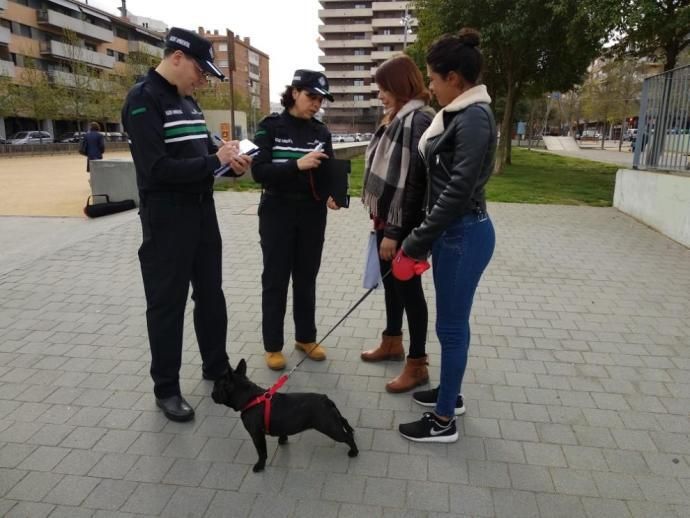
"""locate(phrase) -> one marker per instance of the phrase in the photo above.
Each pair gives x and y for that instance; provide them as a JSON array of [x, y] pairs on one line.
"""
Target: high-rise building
[[250, 74], [356, 37]]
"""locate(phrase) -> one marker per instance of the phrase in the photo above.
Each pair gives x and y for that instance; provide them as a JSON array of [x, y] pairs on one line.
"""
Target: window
[[223, 47], [386, 32], [358, 97], [222, 63], [359, 82], [359, 52], [360, 67], [110, 52]]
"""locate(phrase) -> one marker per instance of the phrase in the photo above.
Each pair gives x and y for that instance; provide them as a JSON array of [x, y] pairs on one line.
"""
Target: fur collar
[[474, 95]]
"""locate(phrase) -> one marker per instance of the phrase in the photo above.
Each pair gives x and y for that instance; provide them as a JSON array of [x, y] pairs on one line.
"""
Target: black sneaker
[[429, 429], [429, 397]]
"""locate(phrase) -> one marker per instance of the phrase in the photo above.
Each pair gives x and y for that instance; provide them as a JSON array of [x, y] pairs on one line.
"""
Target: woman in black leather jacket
[[394, 189], [458, 149]]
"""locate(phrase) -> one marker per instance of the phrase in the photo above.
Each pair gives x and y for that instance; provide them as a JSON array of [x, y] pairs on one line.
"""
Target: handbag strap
[[89, 200]]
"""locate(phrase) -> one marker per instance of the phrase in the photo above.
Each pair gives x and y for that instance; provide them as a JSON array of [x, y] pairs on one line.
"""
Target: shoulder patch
[[138, 111], [260, 132]]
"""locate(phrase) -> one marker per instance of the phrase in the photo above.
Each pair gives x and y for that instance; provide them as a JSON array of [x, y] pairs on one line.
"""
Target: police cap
[[194, 46], [314, 82]]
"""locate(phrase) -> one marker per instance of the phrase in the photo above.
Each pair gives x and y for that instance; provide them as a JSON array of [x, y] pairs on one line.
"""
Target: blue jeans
[[459, 256]]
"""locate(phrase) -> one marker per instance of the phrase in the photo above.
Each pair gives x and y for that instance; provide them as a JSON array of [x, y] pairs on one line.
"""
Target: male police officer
[[292, 212], [175, 160]]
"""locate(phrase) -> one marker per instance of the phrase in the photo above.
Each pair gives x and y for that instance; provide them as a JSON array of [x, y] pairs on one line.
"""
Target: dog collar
[[265, 398]]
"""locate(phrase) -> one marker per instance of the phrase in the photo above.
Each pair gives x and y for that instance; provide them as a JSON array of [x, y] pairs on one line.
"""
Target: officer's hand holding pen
[[312, 160], [229, 154]]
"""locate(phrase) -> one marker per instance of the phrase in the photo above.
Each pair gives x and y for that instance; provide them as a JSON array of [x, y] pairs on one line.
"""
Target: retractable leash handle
[[362, 298]]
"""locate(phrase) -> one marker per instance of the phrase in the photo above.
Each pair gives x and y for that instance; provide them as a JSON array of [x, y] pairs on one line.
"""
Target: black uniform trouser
[[292, 234], [405, 297], [182, 244]]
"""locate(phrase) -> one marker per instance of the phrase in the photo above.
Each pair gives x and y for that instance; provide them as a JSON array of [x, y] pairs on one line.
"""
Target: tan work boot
[[314, 351], [275, 361], [390, 348], [414, 374]]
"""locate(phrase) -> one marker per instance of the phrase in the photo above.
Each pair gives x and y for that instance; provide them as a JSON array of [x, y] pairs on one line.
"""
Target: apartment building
[[250, 71], [356, 37], [71, 43]]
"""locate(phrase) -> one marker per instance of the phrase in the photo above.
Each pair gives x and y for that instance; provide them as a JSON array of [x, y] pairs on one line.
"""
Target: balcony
[[350, 89], [62, 78], [351, 104], [345, 44], [72, 53], [5, 36], [326, 60], [62, 21], [345, 28], [391, 22], [381, 55], [389, 6], [142, 47], [345, 13], [349, 74], [7, 69], [393, 38]]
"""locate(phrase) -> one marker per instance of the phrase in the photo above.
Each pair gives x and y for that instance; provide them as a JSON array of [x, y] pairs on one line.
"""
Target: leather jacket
[[459, 162]]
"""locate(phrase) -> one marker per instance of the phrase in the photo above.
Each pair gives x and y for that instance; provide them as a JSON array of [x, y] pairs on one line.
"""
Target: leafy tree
[[33, 95], [612, 91], [530, 46], [653, 28]]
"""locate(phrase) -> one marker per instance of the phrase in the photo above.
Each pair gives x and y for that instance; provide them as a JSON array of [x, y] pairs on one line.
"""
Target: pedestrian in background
[[175, 160], [459, 150], [289, 166], [94, 144], [393, 193]]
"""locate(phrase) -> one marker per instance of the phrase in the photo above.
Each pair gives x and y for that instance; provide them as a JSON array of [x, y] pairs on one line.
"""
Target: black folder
[[336, 174]]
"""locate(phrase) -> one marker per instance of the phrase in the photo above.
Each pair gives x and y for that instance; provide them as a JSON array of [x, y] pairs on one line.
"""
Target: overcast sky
[[285, 30]]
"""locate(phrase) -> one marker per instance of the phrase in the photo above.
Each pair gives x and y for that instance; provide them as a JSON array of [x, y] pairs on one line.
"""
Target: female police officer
[[292, 212]]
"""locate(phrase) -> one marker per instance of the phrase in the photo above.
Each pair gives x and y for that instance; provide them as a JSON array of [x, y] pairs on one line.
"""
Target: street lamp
[[406, 22]]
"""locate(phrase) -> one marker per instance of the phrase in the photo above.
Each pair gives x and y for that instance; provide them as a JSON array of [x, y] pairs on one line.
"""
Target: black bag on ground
[[94, 210]]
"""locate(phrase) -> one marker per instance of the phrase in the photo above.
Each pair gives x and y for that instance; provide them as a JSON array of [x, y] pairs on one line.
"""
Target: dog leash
[[266, 397], [349, 312]]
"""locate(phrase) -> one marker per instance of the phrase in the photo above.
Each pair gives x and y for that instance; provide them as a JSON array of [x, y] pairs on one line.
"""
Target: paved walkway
[[610, 154], [578, 388]]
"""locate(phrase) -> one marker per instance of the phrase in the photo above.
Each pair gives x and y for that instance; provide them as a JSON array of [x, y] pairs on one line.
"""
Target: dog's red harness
[[266, 399]]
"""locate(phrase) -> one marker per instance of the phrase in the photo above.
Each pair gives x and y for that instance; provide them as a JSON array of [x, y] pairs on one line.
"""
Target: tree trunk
[[503, 151]]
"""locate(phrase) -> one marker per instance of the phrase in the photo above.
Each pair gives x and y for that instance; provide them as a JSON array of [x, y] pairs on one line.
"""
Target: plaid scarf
[[387, 163]]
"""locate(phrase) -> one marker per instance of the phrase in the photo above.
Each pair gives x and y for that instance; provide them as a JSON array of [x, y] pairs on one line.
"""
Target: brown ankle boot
[[390, 348], [414, 374]]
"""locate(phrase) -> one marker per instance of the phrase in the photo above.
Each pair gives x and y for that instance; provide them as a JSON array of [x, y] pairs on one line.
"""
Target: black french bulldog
[[291, 413]]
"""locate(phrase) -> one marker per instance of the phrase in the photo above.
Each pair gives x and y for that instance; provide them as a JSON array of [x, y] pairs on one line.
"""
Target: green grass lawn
[[533, 177]]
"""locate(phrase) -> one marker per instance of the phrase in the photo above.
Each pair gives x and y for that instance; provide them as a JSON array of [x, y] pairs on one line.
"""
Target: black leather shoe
[[212, 377], [176, 408]]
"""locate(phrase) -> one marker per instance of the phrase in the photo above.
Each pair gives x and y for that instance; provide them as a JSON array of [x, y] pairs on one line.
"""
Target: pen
[[215, 136]]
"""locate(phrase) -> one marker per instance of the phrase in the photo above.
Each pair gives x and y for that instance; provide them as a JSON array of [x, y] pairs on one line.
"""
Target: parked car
[[591, 134], [631, 134], [71, 137], [343, 137], [30, 137]]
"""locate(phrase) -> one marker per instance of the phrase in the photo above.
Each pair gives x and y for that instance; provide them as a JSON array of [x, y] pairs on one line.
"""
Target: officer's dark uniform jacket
[[282, 140], [169, 140]]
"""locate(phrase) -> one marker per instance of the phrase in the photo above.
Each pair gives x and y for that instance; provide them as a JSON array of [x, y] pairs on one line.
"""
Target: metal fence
[[663, 137]]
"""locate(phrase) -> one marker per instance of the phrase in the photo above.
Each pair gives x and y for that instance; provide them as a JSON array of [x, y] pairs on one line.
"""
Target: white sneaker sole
[[458, 411], [433, 438]]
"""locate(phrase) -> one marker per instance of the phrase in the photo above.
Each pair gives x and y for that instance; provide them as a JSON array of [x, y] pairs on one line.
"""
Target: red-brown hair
[[401, 77]]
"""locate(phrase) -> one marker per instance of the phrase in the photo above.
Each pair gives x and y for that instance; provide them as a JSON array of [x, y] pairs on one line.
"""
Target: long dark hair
[[457, 53]]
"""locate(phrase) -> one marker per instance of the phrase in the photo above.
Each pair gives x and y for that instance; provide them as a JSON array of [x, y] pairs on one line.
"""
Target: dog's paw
[[282, 439], [259, 466], [352, 453]]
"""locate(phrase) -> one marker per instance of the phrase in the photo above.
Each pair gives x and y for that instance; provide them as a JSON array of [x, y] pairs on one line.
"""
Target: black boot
[[176, 408]]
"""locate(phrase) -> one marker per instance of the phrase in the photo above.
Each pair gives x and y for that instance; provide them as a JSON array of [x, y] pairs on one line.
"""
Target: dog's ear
[[241, 369]]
